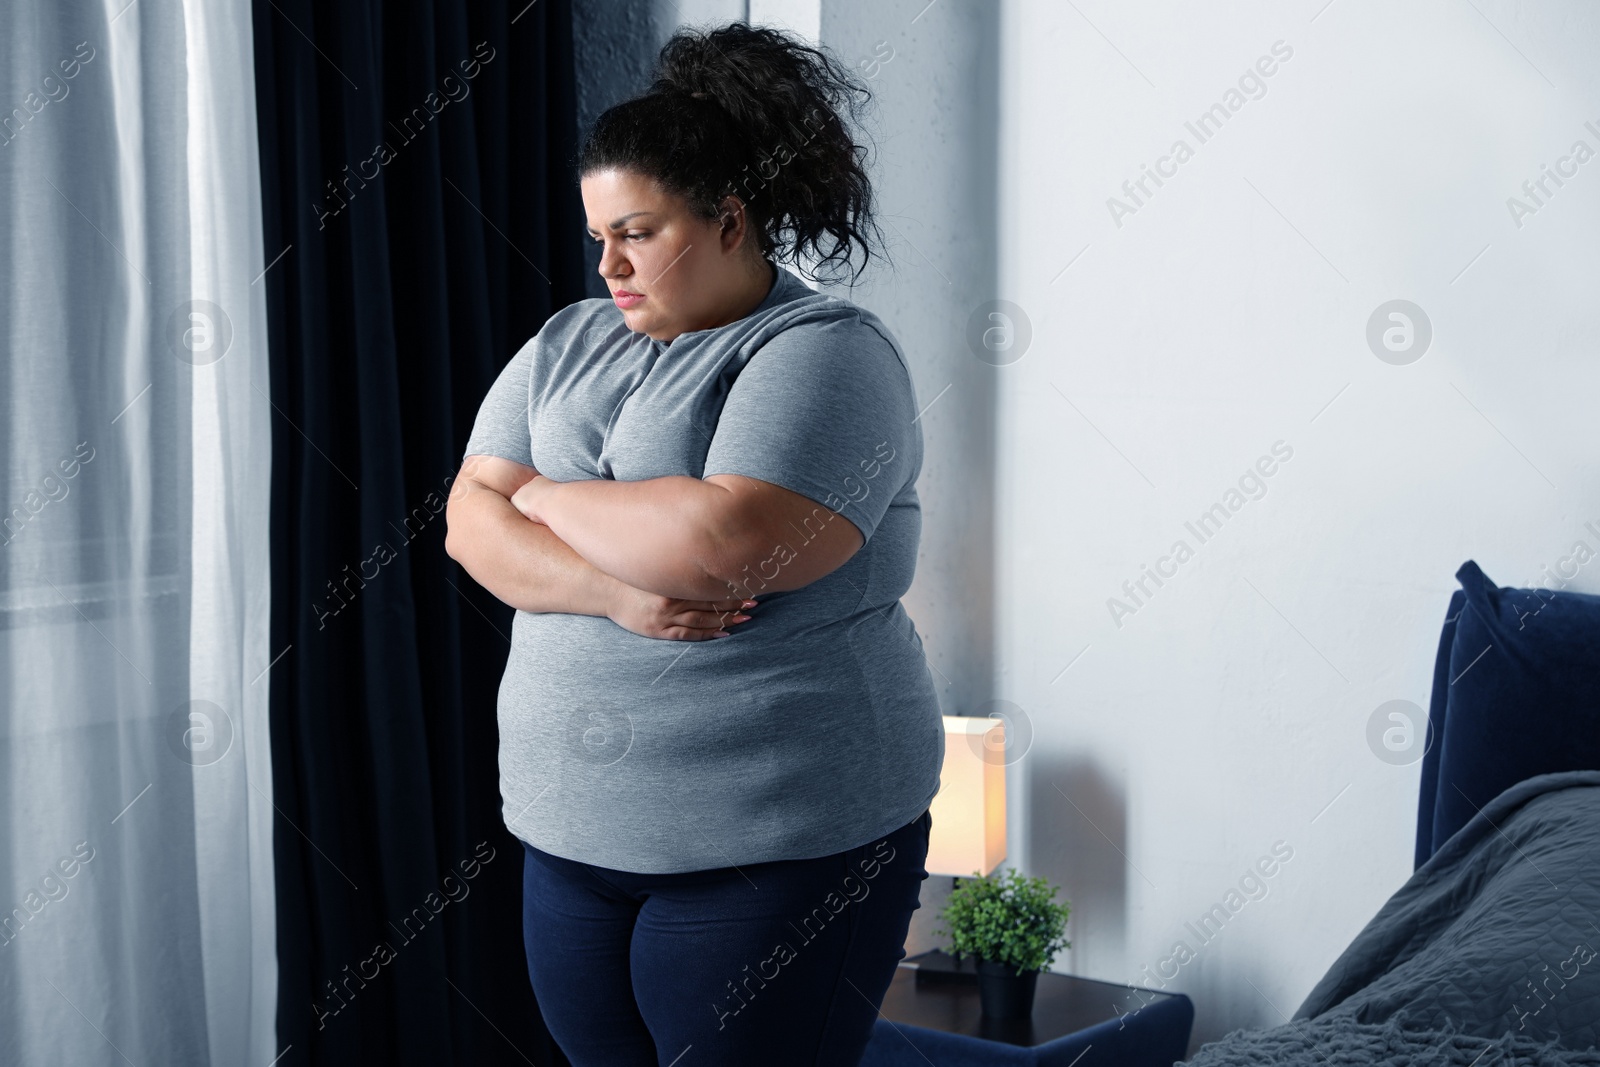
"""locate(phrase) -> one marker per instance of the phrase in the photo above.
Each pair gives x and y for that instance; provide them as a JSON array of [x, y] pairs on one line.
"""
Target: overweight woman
[[718, 734]]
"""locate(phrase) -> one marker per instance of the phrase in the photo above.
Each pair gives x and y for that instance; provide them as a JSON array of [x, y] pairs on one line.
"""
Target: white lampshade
[[969, 812]]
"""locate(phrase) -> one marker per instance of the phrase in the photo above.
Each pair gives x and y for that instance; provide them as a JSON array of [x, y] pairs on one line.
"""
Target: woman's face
[[690, 274]]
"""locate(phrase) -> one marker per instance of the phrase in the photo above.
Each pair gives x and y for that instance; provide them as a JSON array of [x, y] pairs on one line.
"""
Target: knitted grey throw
[[1339, 1041]]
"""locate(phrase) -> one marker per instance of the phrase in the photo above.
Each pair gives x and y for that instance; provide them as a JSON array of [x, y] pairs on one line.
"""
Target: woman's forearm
[[522, 563], [656, 534]]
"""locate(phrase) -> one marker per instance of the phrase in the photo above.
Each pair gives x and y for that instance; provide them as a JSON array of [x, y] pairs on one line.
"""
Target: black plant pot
[[1004, 992]]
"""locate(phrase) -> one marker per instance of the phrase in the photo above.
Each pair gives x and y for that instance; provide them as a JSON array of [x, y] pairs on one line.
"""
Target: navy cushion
[[1429, 788], [1521, 695], [1154, 1035]]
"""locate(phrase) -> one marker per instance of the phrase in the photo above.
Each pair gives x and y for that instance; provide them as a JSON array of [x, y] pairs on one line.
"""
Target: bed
[[1490, 952]]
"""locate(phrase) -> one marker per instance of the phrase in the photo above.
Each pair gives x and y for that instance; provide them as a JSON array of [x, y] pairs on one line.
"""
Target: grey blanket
[[1336, 1041], [1491, 949]]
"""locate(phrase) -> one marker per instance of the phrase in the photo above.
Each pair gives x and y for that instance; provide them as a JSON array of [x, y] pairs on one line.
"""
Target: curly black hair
[[749, 111]]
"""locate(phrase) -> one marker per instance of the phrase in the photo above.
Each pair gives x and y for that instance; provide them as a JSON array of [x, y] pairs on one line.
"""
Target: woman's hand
[[666, 618], [526, 499]]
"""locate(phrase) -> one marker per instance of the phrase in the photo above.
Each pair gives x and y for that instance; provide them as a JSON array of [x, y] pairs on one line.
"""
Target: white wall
[[1223, 316], [803, 18]]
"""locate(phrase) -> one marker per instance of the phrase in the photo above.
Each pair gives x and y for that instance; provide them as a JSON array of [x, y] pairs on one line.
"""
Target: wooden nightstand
[[931, 1014]]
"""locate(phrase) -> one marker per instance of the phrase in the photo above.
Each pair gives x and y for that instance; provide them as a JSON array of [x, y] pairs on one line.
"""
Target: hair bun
[[694, 66]]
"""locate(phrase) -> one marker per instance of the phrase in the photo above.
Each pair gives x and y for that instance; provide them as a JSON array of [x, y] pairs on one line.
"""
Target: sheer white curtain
[[136, 881]]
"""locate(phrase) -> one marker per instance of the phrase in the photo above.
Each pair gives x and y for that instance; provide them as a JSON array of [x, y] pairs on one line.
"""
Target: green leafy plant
[[1009, 919]]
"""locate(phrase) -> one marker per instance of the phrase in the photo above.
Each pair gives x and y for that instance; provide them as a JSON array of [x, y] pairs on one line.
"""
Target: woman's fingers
[[691, 633], [705, 620], [713, 620]]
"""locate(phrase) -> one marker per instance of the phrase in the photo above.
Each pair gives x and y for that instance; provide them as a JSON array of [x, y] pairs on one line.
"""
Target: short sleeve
[[825, 410], [501, 428]]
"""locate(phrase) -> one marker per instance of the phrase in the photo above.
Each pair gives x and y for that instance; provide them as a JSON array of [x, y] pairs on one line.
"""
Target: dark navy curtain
[[420, 223]]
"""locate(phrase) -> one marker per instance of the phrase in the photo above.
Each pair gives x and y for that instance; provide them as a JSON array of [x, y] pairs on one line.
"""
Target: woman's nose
[[613, 263]]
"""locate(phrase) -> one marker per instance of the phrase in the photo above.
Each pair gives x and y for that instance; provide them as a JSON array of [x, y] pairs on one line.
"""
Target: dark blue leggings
[[771, 963]]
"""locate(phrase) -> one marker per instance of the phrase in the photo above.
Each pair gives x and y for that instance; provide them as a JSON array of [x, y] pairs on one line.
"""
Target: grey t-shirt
[[815, 727]]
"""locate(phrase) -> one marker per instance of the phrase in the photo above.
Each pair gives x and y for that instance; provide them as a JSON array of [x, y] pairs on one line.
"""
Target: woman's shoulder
[[842, 319]]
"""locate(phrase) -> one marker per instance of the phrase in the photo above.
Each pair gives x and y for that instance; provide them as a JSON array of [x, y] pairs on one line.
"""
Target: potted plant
[[1013, 927]]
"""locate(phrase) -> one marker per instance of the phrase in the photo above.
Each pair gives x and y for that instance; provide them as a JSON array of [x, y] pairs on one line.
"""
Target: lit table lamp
[[969, 817], [969, 812]]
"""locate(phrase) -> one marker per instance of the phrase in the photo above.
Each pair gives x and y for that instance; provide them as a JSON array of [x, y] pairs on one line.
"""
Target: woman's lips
[[627, 300]]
